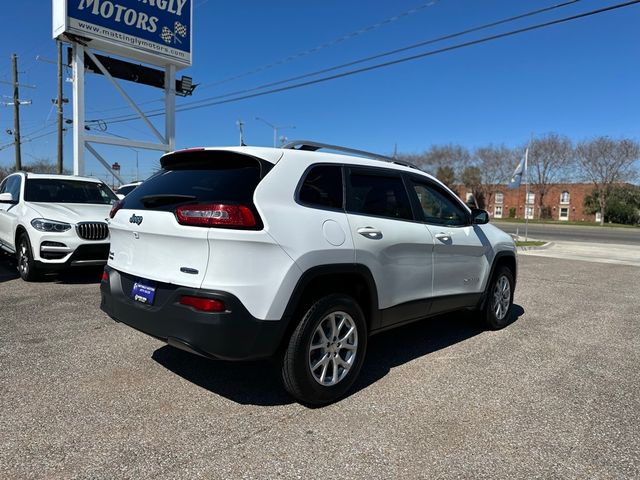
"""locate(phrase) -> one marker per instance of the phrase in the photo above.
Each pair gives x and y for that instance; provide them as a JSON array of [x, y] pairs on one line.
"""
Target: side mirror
[[479, 217], [6, 198]]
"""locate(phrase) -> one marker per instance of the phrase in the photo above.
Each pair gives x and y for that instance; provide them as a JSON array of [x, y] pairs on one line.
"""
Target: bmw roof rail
[[311, 146]]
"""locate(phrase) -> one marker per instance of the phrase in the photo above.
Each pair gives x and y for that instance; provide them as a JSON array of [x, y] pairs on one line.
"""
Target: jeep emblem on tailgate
[[137, 219]]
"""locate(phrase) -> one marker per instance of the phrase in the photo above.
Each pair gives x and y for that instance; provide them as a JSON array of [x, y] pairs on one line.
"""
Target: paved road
[[554, 395], [575, 233]]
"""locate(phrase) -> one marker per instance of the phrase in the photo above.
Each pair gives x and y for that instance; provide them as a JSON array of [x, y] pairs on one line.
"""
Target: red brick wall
[[516, 199]]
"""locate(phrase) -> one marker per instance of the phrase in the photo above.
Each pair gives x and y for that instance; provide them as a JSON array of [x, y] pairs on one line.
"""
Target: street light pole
[[275, 129]]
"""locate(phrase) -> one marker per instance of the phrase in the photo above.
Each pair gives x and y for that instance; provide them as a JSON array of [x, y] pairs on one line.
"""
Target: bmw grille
[[92, 230]]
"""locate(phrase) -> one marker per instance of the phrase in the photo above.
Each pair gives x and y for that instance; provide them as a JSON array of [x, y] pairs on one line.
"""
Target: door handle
[[443, 237], [370, 232]]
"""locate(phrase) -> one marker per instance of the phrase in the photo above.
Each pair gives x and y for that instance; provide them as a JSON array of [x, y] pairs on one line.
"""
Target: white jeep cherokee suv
[[54, 221], [241, 253]]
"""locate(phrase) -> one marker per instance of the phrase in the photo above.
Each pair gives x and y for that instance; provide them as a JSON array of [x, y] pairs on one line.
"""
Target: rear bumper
[[231, 335]]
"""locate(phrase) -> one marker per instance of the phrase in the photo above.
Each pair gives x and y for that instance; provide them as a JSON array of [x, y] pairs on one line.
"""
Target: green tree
[[623, 204], [607, 162]]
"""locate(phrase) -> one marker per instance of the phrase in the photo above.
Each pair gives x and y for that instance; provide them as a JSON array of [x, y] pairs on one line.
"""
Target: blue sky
[[579, 79]]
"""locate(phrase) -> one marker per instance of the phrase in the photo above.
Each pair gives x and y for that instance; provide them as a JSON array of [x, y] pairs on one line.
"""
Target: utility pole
[[60, 112], [240, 125], [16, 111], [275, 129]]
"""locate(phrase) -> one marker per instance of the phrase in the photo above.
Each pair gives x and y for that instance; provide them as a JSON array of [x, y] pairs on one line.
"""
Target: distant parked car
[[54, 221], [124, 190]]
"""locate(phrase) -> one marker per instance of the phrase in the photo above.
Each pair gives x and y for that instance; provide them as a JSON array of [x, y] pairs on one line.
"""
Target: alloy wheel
[[333, 348], [23, 258], [501, 297]]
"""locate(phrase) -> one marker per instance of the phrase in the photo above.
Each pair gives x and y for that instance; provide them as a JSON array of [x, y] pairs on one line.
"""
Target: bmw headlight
[[45, 225]]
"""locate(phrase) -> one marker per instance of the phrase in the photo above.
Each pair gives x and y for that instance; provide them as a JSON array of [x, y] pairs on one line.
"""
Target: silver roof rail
[[311, 146]]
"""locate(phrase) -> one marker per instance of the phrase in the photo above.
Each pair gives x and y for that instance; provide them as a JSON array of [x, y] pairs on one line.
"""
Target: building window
[[529, 213], [531, 198], [497, 212], [499, 198], [564, 197], [564, 213]]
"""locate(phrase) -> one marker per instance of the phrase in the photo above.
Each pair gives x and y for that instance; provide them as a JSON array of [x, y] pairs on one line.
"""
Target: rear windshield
[[55, 190], [200, 177]]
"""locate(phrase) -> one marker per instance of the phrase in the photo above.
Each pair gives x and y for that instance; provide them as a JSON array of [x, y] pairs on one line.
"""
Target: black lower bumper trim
[[231, 335]]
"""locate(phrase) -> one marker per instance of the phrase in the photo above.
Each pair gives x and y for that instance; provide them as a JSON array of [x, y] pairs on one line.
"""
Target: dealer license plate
[[143, 292]]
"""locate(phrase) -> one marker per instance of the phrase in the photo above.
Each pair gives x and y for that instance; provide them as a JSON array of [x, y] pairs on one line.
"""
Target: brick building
[[562, 201]]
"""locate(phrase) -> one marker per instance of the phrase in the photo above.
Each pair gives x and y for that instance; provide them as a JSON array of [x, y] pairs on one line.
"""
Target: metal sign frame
[[81, 140]]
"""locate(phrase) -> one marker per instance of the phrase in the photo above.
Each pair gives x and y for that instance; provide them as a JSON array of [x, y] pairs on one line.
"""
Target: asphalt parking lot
[[554, 395]]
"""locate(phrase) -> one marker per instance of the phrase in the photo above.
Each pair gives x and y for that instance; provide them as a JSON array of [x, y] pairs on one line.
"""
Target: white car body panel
[[158, 247], [262, 268]]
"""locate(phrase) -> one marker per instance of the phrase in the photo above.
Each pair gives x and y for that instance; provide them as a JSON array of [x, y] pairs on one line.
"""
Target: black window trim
[[418, 179]]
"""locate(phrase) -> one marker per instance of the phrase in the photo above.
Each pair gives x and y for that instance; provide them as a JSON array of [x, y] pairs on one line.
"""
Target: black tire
[[497, 313], [314, 386], [24, 255]]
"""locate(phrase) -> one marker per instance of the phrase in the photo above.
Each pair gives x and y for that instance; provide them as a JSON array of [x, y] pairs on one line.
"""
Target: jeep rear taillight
[[116, 206], [216, 215]]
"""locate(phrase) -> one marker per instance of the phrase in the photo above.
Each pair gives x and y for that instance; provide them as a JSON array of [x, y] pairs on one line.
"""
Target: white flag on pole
[[516, 178]]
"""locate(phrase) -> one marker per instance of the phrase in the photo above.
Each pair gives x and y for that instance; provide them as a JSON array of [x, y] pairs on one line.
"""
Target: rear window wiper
[[165, 199]]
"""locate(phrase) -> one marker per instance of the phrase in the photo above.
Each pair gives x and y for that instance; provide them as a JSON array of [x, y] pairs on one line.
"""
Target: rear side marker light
[[213, 215], [105, 276], [203, 304]]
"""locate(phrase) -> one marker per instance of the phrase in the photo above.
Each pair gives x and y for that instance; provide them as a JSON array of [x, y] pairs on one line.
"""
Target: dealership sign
[[153, 31]]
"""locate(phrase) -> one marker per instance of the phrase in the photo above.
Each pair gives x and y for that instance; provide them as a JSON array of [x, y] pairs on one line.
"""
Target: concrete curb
[[538, 247]]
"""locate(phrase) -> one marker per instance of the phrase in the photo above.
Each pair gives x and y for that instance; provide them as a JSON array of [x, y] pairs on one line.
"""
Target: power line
[[325, 45], [299, 55], [388, 53], [392, 62], [355, 62], [26, 140]]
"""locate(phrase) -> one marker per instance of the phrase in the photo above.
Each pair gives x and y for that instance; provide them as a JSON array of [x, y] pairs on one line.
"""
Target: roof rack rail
[[311, 146]]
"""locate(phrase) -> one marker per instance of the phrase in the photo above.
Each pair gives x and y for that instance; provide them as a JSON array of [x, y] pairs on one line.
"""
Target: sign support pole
[[170, 106], [78, 109]]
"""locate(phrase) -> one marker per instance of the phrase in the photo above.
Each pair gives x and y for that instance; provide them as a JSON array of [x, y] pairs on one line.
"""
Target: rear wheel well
[[353, 284]]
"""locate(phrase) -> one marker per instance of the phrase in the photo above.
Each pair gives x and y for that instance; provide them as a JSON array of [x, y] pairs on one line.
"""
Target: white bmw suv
[[242, 253], [53, 222]]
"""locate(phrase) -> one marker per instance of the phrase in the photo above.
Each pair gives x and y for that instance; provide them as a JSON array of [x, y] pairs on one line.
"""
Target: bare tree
[[550, 157], [472, 180], [455, 156], [446, 175], [606, 162], [496, 164]]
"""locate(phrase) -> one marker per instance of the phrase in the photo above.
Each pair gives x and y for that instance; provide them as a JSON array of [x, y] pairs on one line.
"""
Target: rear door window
[[381, 194]]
